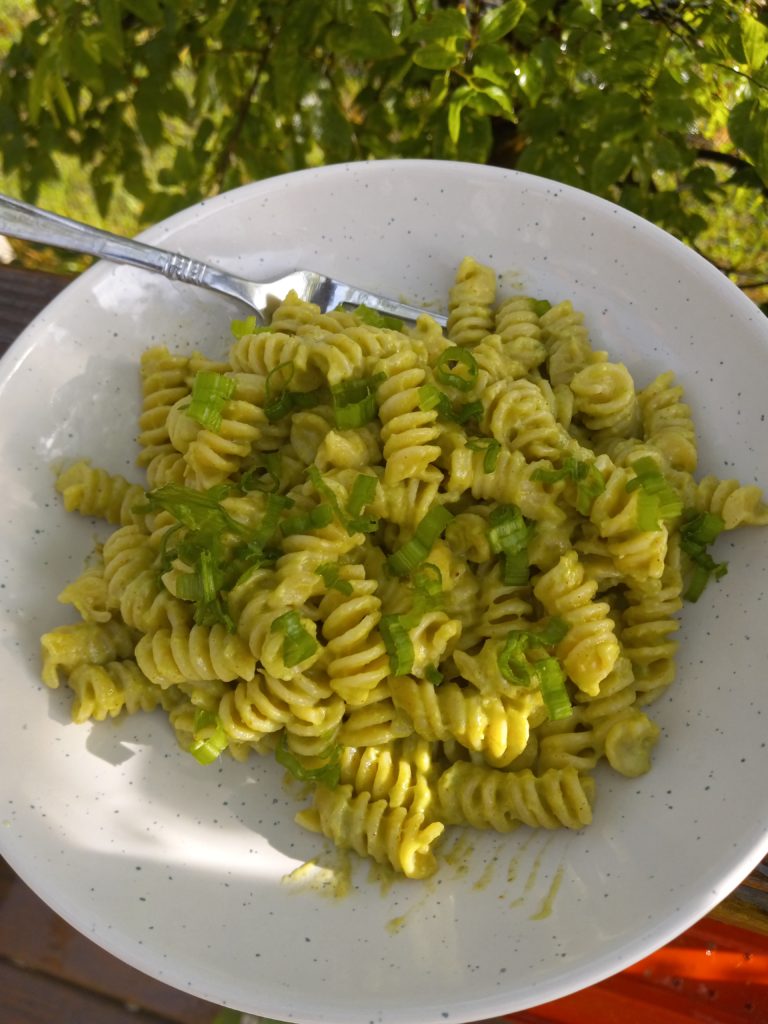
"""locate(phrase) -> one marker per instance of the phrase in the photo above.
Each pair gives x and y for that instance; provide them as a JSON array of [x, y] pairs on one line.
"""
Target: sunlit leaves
[[499, 21], [748, 127], [175, 101], [754, 40]]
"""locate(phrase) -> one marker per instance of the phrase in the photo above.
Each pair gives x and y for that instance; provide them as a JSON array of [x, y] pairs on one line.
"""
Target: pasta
[[436, 574]]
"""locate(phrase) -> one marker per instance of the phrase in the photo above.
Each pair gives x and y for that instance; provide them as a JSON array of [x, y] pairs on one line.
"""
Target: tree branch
[[715, 156], [241, 115]]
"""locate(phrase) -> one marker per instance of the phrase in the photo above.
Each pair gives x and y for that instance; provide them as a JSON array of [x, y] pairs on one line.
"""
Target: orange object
[[711, 974]]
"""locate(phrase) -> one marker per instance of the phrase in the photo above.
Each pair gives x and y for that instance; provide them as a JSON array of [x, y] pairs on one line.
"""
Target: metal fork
[[23, 220]]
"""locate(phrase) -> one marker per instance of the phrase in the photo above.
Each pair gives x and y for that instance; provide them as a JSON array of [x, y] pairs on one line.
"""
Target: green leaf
[[499, 98], [459, 99], [754, 39], [148, 10], [499, 21], [609, 166], [593, 7], [367, 38], [102, 191], [441, 26], [435, 57], [748, 128], [112, 30], [531, 79], [63, 99]]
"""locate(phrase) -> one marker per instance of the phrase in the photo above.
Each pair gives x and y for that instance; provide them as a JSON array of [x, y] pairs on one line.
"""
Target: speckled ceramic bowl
[[194, 875]]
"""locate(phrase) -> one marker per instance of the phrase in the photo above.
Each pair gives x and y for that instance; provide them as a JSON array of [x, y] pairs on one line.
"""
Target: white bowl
[[181, 870]]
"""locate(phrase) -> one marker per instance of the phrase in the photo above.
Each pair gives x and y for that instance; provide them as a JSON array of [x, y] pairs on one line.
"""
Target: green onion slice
[[373, 318], [277, 398], [415, 551], [305, 522], [298, 644], [209, 738], [431, 397], [554, 692], [540, 306], [453, 359], [331, 578], [241, 328], [354, 401], [492, 449], [468, 411], [697, 532], [508, 535], [433, 675], [264, 477], [589, 481], [327, 773], [657, 499], [397, 644], [551, 634], [515, 667], [210, 393], [363, 492], [511, 659]]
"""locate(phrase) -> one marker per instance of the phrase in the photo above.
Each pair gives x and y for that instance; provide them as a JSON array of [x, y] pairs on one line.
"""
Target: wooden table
[[50, 974]]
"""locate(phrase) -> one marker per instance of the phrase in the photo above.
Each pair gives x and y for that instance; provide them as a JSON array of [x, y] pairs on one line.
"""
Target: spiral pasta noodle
[[437, 574]]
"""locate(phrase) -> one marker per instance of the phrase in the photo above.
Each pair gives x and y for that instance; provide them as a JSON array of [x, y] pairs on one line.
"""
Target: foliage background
[[123, 111]]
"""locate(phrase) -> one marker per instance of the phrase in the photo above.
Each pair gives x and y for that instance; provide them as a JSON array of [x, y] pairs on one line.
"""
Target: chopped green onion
[[332, 580], [589, 481], [468, 411], [241, 328], [698, 531], [298, 644], [328, 774], [508, 535], [414, 552], [168, 554], [511, 659], [363, 492], [453, 358], [540, 306], [554, 692], [492, 449], [198, 541], [354, 402], [657, 499], [551, 634], [373, 318], [517, 669], [194, 509], [265, 477], [304, 522], [516, 570], [433, 675], [209, 738], [277, 398], [325, 491], [428, 579], [210, 393], [431, 397], [352, 522], [647, 512], [397, 644]]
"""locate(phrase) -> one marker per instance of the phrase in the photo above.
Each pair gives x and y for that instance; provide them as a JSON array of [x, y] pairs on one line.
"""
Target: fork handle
[[23, 220]]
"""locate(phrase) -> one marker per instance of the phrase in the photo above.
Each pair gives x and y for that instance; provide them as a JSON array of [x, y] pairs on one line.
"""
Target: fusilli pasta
[[437, 575]]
